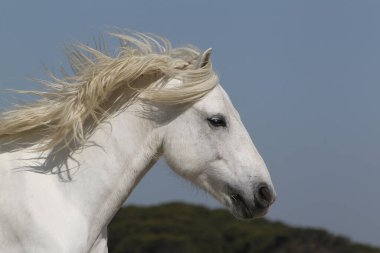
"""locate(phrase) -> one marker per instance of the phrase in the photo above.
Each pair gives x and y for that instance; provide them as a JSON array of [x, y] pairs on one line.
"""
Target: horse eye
[[217, 121]]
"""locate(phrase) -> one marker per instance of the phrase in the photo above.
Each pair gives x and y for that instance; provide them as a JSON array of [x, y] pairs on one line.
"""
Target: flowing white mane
[[101, 84]]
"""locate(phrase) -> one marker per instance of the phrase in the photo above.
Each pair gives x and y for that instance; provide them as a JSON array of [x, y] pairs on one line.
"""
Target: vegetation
[[183, 228]]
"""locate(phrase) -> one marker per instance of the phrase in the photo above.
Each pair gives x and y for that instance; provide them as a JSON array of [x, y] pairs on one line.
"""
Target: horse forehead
[[216, 99]]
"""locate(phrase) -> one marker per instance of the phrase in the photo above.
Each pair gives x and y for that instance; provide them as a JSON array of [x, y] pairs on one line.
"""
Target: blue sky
[[304, 76]]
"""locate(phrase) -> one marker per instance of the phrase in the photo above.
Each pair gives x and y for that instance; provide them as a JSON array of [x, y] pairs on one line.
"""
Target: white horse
[[70, 160]]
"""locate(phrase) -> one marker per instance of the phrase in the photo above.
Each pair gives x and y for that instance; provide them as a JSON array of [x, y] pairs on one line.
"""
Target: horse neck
[[119, 154]]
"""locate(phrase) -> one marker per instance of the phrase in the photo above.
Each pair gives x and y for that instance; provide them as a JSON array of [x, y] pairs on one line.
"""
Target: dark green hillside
[[183, 228]]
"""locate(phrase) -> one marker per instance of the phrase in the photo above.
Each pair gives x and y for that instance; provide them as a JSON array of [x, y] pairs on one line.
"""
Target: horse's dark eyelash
[[217, 120]]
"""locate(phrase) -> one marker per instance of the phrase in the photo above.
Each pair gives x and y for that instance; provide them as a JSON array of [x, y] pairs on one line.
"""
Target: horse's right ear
[[204, 58]]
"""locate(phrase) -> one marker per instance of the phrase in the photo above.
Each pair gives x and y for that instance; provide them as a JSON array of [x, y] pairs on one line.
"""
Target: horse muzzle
[[251, 207]]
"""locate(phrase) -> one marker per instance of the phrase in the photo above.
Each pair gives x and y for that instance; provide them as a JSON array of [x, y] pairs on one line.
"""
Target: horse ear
[[204, 59]]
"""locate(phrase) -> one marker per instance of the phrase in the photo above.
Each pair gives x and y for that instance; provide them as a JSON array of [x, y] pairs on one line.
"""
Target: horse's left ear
[[204, 59]]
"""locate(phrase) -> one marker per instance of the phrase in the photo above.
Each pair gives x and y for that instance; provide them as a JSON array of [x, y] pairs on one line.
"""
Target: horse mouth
[[240, 209], [244, 210]]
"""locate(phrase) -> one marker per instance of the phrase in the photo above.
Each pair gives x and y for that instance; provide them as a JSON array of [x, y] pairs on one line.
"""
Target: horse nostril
[[263, 196], [265, 193]]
